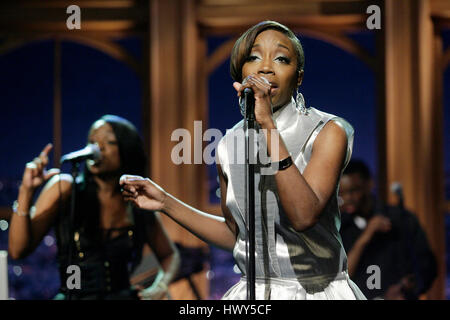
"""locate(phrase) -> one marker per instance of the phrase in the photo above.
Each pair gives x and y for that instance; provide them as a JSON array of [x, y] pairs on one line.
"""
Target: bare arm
[[168, 257], [303, 196], [377, 223], [145, 194], [26, 232], [357, 250]]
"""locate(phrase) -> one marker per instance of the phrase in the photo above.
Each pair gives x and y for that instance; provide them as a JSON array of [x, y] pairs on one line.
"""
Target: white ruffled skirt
[[341, 288]]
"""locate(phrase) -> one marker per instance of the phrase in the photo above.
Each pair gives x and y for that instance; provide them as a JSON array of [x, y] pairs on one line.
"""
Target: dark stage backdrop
[[94, 84]]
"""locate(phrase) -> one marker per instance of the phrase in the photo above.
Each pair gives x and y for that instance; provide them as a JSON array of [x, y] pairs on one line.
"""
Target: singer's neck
[[275, 109], [107, 184], [279, 107]]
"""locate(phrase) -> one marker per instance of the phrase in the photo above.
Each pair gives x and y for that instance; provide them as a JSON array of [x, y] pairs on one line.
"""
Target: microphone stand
[[74, 174], [417, 277], [249, 129]]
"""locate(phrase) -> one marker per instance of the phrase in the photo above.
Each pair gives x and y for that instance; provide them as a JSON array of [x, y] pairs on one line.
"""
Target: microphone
[[249, 96], [91, 151], [248, 93], [396, 187]]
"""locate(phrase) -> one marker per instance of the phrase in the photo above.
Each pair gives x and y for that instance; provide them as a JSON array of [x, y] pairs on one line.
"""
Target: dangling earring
[[300, 102]]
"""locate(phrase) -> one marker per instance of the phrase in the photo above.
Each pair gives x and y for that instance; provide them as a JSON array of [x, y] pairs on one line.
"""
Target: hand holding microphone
[[261, 89]]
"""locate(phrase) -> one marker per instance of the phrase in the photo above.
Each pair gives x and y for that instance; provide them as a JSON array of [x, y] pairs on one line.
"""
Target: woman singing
[[107, 237], [299, 253]]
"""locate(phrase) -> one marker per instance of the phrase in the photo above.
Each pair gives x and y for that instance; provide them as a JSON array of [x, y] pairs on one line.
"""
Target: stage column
[[174, 48], [414, 119]]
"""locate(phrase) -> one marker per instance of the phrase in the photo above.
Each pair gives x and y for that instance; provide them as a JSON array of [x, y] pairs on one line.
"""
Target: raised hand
[[142, 192], [379, 223], [35, 173]]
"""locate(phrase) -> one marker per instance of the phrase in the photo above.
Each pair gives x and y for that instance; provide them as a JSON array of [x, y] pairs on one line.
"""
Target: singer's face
[[353, 190], [102, 134], [273, 57]]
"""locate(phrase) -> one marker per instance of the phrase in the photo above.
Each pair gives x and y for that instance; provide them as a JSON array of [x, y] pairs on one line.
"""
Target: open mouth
[[273, 88], [349, 208]]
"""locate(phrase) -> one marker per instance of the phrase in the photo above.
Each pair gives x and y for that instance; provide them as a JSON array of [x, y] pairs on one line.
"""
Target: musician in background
[[107, 238], [380, 236]]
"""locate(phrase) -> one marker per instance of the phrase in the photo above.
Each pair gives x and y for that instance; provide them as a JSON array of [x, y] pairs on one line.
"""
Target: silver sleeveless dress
[[311, 264]]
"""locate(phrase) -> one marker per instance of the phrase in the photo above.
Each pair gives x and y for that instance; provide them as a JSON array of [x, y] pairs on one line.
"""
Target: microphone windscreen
[[396, 187]]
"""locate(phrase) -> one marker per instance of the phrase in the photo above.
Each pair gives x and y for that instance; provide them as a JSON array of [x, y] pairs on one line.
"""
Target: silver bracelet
[[163, 285], [16, 211]]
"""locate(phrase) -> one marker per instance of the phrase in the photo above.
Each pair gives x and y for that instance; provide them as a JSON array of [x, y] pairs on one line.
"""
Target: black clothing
[[105, 263], [399, 252]]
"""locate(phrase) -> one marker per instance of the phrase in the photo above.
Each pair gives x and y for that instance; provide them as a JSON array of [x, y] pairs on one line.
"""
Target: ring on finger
[[31, 165]]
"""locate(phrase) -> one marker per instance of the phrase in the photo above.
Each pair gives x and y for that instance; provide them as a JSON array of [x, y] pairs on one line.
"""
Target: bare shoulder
[[60, 183], [332, 136], [330, 147], [56, 189]]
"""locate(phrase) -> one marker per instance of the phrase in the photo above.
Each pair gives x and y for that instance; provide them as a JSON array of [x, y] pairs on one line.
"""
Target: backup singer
[[299, 252], [109, 236]]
